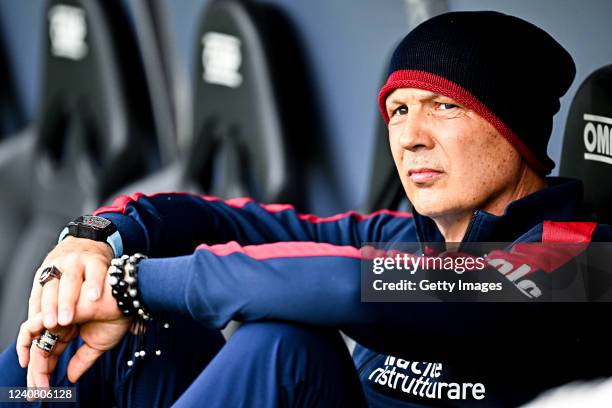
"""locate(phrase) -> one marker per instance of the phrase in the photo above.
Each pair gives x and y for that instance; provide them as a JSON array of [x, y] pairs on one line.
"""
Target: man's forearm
[[173, 224], [320, 284]]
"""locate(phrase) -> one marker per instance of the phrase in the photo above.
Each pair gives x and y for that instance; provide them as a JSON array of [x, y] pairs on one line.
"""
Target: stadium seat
[[587, 143], [94, 133], [11, 109], [247, 109], [160, 74]]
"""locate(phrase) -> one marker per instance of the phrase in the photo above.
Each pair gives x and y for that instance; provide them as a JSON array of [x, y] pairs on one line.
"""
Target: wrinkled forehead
[[403, 95]]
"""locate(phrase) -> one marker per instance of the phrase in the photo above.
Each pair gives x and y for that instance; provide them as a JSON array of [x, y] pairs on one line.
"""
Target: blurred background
[[272, 99]]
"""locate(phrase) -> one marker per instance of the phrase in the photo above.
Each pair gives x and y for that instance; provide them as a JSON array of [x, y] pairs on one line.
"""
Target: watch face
[[96, 222]]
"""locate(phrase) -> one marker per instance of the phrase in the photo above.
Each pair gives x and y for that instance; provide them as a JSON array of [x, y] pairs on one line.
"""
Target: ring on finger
[[49, 273], [47, 341]]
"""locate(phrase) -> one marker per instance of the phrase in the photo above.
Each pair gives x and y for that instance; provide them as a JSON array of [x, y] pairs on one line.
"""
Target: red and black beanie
[[507, 70]]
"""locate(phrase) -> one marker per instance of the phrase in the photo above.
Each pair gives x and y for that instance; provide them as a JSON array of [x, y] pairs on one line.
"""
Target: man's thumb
[[82, 361]]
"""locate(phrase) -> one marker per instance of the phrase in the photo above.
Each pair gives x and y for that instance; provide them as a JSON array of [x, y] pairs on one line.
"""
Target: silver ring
[[50, 272], [47, 341]]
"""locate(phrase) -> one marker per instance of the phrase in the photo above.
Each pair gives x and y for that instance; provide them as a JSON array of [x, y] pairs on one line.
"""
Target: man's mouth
[[423, 175]]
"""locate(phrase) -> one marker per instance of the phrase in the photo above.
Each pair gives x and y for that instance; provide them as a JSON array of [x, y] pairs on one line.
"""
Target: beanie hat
[[507, 70]]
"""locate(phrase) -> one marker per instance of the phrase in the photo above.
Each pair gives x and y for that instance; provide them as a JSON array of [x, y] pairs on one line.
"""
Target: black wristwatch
[[94, 228]]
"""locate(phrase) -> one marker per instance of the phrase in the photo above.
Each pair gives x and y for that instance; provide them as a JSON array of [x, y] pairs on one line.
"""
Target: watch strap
[[114, 240]]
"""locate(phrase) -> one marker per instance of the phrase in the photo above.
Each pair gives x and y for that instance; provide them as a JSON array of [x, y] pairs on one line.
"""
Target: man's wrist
[[114, 240]]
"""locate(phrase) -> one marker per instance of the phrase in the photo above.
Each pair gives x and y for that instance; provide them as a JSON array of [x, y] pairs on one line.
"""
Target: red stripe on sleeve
[[120, 203], [283, 250]]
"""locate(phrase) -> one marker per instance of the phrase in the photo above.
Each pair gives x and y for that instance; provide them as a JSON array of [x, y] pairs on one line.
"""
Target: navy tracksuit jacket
[[256, 261], [267, 262]]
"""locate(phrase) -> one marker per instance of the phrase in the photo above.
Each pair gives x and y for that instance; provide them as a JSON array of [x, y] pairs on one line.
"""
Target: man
[[469, 104]]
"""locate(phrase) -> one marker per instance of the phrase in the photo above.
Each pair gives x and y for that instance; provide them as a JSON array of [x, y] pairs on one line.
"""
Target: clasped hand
[[78, 303]]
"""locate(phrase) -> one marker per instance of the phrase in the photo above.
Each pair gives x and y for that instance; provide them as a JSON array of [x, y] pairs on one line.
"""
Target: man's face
[[450, 160]]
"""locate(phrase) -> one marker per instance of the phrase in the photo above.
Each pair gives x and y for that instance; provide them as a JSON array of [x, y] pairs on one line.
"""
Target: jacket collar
[[559, 201]]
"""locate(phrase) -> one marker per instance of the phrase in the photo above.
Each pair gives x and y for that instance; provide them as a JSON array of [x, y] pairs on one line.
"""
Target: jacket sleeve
[[173, 224], [304, 282], [320, 284]]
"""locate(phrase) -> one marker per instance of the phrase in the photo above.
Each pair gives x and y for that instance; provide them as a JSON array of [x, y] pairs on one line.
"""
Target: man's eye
[[401, 110], [447, 106]]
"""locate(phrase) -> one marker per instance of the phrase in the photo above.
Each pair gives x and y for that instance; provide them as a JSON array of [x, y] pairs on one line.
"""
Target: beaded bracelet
[[123, 278]]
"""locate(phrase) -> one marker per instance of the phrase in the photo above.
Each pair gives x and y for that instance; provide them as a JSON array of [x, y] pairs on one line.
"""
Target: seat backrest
[[11, 109], [95, 123], [587, 143], [94, 133], [253, 110], [251, 117], [160, 74]]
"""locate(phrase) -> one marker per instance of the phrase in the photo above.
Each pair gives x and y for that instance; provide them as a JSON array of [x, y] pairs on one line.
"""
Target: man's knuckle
[[99, 264], [70, 277], [73, 258]]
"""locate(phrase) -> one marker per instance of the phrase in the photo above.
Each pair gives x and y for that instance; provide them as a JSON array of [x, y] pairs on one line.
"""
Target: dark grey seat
[[12, 116], [245, 131], [587, 142], [94, 133]]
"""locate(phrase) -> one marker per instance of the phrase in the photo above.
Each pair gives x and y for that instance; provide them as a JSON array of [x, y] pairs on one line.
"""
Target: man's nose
[[416, 133]]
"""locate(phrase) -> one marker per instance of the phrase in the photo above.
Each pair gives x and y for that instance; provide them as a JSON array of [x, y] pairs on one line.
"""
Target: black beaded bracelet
[[123, 278]]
